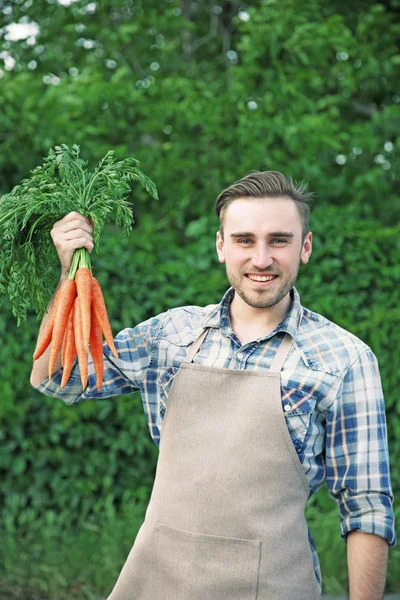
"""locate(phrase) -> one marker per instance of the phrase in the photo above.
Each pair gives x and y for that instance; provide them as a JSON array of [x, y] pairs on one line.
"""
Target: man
[[259, 401]]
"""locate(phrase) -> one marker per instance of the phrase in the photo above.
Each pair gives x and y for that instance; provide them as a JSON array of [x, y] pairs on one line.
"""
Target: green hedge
[[201, 96]]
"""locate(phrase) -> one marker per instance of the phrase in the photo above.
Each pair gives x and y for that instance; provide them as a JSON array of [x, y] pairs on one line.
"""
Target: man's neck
[[251, 323]]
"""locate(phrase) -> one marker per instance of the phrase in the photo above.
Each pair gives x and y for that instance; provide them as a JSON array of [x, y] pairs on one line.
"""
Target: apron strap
[[281, 354], [284, 348], [193, 349]]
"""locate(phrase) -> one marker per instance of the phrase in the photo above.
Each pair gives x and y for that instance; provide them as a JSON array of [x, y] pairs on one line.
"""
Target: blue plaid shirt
[[331, 396]]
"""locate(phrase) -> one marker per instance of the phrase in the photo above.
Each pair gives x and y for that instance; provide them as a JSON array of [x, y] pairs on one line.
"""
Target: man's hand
[[367, 556], [72, 232]]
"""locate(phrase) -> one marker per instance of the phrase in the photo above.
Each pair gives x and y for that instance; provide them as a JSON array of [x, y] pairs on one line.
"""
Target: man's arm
[[122, 375], [367, 556], [72, 232], [358, 474]]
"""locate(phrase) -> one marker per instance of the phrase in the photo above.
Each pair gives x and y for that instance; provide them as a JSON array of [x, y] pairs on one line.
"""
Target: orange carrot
[[96, 348], [64, 305], [100, 311], [70, 349], [80, 345], [64, 344], [83, 280], [45, 337]]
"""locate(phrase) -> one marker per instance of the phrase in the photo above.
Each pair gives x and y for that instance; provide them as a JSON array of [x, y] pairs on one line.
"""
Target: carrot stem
[[80, 258]]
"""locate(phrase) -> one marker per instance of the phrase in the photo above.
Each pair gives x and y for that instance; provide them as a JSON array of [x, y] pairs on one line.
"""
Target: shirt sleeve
[[123, 375], [357, 457]]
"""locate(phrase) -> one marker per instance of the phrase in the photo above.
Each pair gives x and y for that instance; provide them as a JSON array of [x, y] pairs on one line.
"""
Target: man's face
[[262, 248]]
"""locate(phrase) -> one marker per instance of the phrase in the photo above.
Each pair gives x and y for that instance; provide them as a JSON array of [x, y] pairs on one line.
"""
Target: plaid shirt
[[331, 396]]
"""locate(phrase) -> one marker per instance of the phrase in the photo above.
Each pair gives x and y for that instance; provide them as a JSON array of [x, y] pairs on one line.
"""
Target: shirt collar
[[219, 317]]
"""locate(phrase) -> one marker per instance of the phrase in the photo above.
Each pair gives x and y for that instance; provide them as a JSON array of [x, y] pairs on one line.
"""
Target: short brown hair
[[270, 184]]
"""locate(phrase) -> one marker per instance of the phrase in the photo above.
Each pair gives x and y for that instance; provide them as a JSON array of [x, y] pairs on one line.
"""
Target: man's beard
[[263, 298]]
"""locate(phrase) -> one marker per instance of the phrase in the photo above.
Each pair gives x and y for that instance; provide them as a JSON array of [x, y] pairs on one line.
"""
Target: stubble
[[263, 298]]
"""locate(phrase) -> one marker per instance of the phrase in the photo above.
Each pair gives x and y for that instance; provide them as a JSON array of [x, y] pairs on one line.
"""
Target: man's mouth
[[261, 278]]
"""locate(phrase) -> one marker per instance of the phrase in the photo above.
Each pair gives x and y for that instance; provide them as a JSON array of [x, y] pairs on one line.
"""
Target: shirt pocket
[[297, 406]]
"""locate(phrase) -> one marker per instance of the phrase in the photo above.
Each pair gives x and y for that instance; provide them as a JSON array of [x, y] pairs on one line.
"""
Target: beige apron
[[226, 516]]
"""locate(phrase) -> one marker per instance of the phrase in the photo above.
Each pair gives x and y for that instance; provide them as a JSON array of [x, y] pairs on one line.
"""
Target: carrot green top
[[29, 265]]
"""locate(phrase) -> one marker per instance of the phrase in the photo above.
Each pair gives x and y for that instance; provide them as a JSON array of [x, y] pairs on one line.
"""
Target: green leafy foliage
[[201, 93], [28, 261]]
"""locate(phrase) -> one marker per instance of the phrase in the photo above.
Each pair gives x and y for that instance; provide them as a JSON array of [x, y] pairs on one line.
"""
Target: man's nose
[[262, 257]]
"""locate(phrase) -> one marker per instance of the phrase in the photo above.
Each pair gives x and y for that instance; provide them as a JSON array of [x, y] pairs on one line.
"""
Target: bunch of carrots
[[77, 322]]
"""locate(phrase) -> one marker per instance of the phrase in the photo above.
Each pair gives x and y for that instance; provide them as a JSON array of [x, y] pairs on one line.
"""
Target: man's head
[[263, 236]]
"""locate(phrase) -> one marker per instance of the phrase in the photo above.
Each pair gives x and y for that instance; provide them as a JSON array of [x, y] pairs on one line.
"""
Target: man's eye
[[279, 241], [245, 241]]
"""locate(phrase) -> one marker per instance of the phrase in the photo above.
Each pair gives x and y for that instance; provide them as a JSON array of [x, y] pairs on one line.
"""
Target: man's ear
[[220, 247], [306, 249]]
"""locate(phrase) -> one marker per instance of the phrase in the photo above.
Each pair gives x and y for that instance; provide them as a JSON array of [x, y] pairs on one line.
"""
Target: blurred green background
[[201, 93]]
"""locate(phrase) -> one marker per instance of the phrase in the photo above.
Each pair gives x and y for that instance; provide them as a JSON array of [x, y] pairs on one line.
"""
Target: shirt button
[[240, 355], [286, 407]]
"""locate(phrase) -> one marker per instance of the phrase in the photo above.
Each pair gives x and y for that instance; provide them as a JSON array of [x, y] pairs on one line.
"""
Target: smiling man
[[262, 242], [255, 403]]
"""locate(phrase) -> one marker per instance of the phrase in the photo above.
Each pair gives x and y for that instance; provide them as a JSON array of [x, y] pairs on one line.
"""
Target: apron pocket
[[194, 566]]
